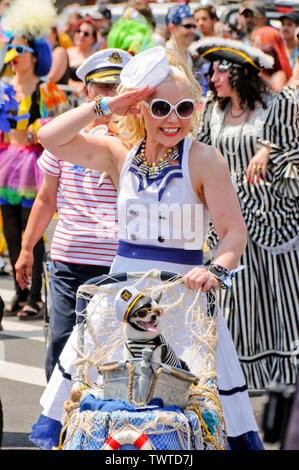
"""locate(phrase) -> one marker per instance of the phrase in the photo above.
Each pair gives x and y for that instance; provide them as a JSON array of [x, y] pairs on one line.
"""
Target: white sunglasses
[[160, 109]]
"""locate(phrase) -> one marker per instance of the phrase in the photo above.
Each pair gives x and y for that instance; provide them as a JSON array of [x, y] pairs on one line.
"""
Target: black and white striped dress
[[262, 309]]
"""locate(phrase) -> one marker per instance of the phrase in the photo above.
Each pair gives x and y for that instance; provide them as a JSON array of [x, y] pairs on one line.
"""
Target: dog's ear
[[158, 298]]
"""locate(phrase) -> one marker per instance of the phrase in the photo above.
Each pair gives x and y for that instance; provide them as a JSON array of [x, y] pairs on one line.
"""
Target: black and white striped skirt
[[261, 312]]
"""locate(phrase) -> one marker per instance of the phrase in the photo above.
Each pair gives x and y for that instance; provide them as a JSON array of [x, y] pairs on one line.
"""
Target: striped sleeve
[[49, 163], [203, 134], [281, 133]]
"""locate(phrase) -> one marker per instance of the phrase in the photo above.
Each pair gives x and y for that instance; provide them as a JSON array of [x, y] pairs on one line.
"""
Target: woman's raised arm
[[62, 137]]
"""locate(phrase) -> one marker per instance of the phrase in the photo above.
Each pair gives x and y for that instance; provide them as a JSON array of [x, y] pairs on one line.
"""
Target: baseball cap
[[292, 15]]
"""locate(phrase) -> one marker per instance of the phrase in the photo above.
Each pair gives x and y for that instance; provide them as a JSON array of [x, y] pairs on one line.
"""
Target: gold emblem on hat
[[126, 295], [115, 58]]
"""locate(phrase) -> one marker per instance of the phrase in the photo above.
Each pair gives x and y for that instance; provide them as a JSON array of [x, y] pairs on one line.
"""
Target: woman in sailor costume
[[157, 164]]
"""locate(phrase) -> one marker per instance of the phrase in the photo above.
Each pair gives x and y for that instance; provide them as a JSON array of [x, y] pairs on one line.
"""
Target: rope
[[61, 445], [208, 436], [102, 369], [73, 403], [195, 407], [154, 383], [178, 375]]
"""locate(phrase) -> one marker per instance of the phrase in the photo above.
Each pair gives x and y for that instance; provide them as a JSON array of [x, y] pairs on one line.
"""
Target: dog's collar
[[131, 306]]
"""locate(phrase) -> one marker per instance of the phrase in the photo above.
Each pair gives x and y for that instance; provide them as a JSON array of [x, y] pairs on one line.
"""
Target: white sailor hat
[[128, 300], [147, 68], [103, 66]]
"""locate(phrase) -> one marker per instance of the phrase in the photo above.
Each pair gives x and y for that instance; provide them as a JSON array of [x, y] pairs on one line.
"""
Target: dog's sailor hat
[[233, 51], [128, 300], [103, 66], [147, 68]]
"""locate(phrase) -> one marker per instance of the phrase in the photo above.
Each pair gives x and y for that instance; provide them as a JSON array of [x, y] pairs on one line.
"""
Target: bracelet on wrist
[[225, 277], [101, 107], [221, 273]]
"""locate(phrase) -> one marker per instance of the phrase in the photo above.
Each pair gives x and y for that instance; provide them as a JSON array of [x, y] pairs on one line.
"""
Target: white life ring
[[139, 440]]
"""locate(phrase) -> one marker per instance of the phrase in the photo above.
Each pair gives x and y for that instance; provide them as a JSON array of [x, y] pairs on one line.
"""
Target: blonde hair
[[131, 128]]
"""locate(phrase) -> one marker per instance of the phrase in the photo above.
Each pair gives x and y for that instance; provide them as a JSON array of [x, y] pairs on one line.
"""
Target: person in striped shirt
[[85, 239]]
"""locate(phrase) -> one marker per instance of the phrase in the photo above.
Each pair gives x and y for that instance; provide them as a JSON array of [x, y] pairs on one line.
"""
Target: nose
[[172, 116], [214, 76], [153, 317]]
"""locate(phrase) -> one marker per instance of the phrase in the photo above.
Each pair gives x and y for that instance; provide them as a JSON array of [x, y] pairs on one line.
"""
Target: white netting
[[190, 326]]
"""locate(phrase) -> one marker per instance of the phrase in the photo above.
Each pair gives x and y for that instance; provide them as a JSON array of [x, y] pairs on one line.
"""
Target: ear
[[158, 298], [171, 27], [86, 94]]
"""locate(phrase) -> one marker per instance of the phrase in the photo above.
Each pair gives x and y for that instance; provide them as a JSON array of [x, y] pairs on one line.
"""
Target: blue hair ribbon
[[227, 280]]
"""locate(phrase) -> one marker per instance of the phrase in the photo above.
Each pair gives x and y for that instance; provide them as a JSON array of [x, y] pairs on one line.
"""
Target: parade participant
[[59, 72], [182, 27], [85, 36], [269, 41], [30, 57], [205, 17], [154, 161], [252, 15], [289, 23], [83, 246], [257, 132]]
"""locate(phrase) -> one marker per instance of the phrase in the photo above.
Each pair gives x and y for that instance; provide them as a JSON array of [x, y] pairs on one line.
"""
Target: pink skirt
[[20, 176]]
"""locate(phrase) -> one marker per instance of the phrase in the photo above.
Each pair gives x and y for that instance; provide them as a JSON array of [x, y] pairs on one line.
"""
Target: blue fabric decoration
[[80, 169], [157, 253], [46, 433], [211, 419], [92, 403], [227, 280], [8, 103]]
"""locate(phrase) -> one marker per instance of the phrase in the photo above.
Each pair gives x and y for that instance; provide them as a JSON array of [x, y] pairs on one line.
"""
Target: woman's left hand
[[201, 278], [126, 103], [258, 165]]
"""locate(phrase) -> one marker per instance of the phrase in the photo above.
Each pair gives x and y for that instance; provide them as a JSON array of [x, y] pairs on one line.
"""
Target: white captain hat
[[147, 68], [103, 66], [128, 300]]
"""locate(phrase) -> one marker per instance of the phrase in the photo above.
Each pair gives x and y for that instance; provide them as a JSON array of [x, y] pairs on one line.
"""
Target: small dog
[[143, 330]]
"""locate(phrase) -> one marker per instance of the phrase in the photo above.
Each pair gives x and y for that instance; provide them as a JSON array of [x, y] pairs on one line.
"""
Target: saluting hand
[[125, 103]]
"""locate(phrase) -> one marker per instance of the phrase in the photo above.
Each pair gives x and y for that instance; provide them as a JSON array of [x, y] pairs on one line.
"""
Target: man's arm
[[41, 215]]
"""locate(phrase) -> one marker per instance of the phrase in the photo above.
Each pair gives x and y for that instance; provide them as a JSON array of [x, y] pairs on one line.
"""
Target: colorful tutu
[[20, 176]]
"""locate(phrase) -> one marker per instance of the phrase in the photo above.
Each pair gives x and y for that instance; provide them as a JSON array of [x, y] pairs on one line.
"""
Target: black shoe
[[16, 304]]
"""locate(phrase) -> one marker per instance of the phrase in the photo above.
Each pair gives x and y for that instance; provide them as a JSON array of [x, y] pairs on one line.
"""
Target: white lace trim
[[284, 248]]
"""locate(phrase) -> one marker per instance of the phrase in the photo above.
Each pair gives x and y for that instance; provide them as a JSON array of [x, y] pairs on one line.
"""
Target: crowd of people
[[178, 96]]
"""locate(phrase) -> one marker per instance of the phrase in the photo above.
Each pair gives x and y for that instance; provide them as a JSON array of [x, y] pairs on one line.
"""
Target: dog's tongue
[[149, 327]]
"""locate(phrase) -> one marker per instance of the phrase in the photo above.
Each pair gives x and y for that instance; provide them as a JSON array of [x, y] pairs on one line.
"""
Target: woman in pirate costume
[[257, 132], [30, 58], [157, 164]]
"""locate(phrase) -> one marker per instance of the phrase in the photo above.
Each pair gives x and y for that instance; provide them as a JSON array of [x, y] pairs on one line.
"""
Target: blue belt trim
[[156, 253]]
